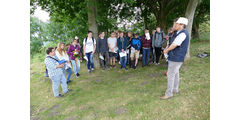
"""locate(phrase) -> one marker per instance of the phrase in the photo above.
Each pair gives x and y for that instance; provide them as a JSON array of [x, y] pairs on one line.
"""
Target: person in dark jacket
[[122, 47], [146, 45], [135, 48], [102, 49]]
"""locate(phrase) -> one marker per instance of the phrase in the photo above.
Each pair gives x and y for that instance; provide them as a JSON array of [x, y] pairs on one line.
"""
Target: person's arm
[[94, 47], [139, 45], [51, 65], [153, 41], [80, 54], [98, 43], [125, 44], [177, 42], [84, 46], [163, 36], [118, 45]]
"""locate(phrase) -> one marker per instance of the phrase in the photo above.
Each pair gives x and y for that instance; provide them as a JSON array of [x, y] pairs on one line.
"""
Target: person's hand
[[84, 54], [93, 52], [136, 51], [60, 66], [165, 51], [166, 37]]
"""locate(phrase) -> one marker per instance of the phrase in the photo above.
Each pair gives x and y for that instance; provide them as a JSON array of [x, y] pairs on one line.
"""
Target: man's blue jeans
[[146, 52], [90, 60], [69, 70], [75, 65], [123, 61], [56, 80]]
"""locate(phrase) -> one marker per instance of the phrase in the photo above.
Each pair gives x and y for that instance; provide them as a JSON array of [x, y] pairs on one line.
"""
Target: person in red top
[[146, 45]]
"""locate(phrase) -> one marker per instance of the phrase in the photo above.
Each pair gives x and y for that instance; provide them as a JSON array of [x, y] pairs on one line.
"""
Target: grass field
[[126, 95]]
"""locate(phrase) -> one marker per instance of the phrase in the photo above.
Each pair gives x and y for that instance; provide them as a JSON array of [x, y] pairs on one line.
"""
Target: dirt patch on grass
[[71, 118], [126, 77], [145, 82], [54, 110], [99, 80], [155, 74], [119, 111]]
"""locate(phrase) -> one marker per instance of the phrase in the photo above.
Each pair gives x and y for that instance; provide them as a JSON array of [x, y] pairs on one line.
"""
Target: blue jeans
[[146, 52], [90, 60], [56, 80], [123, 61], [69, 70], [76, 66]]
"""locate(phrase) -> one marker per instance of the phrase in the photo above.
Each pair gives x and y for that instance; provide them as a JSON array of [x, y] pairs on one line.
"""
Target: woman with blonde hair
[[62, 54]]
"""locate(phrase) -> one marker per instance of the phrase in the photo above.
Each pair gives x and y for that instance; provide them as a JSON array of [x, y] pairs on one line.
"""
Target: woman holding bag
[[62, 54]]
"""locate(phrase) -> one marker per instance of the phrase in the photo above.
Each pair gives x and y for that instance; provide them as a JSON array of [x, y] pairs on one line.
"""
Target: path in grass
[[125, 95]]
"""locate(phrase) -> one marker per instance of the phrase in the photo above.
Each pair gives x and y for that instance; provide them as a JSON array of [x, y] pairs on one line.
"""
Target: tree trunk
[[162, 22], [195, 30], [93, 26], [190, 11]]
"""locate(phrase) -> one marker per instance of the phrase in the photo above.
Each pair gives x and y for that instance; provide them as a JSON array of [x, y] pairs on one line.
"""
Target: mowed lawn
[[126, 95]]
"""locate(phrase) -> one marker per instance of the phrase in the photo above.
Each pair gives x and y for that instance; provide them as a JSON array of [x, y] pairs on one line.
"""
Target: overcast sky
[[41, 14]]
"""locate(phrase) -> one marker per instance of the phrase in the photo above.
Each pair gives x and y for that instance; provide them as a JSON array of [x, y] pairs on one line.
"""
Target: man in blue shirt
[[176, 55], [135, 50], [55, 72]]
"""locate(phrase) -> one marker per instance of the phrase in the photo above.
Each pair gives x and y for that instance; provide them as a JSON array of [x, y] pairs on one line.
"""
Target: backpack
[[86, 40]]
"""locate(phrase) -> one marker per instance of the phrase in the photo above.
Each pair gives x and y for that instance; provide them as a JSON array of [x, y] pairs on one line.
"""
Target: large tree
[[202, 14], [191, 7], [93, 26]]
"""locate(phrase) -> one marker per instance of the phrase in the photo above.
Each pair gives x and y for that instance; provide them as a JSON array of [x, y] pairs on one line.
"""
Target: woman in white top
[[62, 54]]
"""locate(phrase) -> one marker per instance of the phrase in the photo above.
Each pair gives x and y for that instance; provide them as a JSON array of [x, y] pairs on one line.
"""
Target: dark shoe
[[134, 67], [103, 68], [78, 74], [126, 69], [69, 81], [59, 96], [69, 90], [121, 67]]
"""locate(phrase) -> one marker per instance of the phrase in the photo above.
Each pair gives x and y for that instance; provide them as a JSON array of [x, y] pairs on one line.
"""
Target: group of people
[[125, 48]]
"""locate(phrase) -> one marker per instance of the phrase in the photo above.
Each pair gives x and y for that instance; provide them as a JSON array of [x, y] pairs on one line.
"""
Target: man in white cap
[[176, 54]]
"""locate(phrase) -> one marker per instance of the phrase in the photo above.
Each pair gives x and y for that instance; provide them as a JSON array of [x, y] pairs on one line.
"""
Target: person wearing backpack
[[157, 42], [146, 45], [122, 47], [135, 50], [55, 71], [102, 48], [75, 56], [89, 47]]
